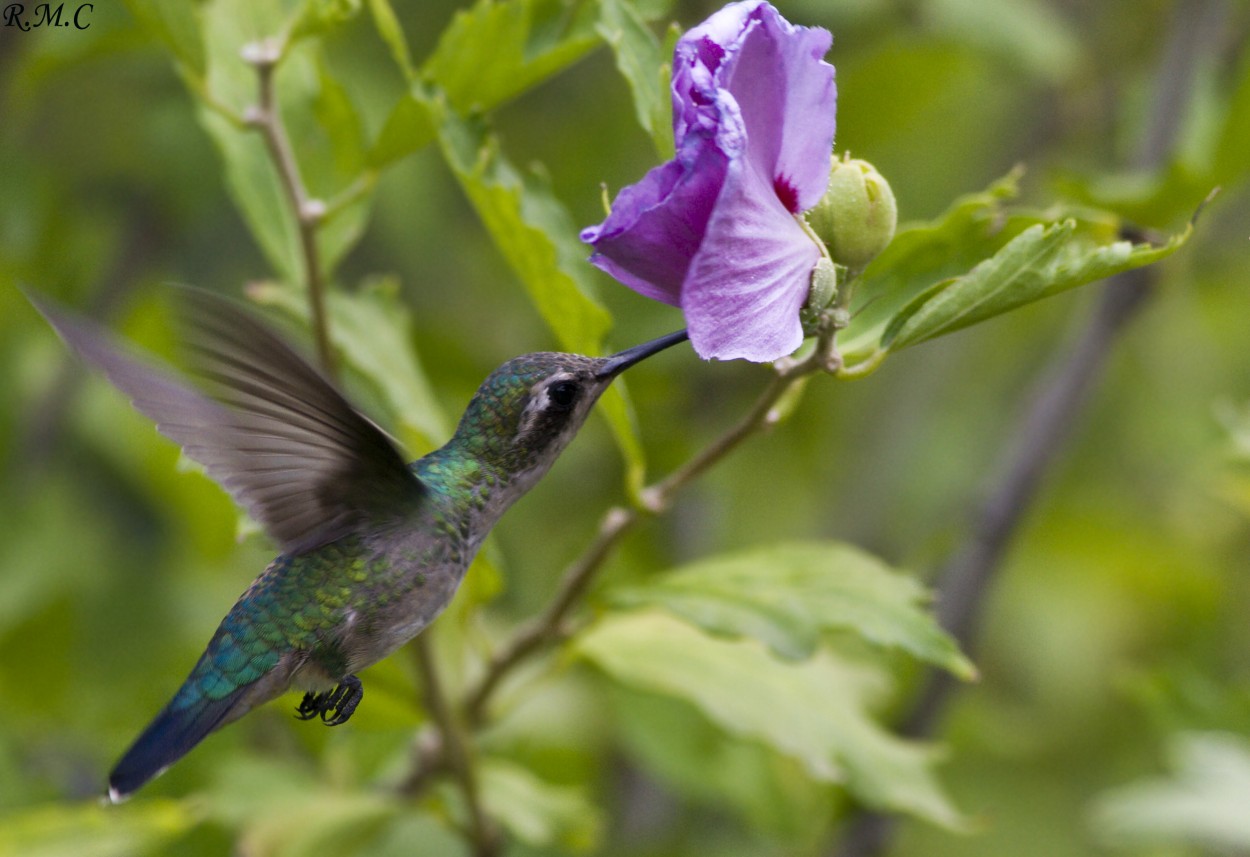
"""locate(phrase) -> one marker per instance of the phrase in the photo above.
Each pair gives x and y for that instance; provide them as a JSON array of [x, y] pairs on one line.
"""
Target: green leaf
[[332, 143], [281, 811], [535, 234], [532, 231], [1014, 271], [333, 156], [176, 24], [978, 260], [1039, 262], [536, 812], [921, 254], [392, 33], [318, 17], [815, 711], [1203, 804], [494, 51], [93, 830], [699, 761], [788, 595], [408, 128], [374, 329], [644, 65], [229, 83], [423, 827]]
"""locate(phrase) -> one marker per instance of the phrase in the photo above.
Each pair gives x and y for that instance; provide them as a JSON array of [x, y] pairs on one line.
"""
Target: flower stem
[[548, 627]]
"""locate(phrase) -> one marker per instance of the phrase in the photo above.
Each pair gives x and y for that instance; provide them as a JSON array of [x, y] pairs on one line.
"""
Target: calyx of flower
[[857, 215]]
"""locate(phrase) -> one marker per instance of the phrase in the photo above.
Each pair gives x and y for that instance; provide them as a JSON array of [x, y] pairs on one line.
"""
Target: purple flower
[[714, 231]]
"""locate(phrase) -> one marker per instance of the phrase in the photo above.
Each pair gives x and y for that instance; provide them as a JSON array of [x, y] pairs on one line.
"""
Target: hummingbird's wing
[[306, 465]]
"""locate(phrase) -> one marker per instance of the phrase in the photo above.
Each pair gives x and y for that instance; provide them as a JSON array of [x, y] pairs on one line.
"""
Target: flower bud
[[824, 290], [857, 215]]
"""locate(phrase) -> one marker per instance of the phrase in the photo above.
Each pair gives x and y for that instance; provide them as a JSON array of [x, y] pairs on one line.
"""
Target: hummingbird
[[372, 547]]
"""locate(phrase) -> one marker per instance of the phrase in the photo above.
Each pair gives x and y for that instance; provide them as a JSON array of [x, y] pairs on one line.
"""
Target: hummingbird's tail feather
[[168, 738]]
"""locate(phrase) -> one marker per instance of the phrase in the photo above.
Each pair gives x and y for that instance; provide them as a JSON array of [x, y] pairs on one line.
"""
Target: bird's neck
[[482, 486]]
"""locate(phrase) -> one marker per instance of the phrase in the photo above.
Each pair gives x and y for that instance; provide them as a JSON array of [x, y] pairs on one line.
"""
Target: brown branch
[[454, 750], [309, 213], [549, 626]]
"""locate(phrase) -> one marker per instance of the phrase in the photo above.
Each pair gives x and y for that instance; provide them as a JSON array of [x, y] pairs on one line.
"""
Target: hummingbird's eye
[[563, 394]]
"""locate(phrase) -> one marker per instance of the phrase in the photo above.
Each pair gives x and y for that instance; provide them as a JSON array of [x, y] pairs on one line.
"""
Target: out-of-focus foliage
[[813, 711], [740, 703], [1203, 804]]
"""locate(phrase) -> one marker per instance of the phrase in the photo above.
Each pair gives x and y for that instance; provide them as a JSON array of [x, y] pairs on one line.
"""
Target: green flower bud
[[821, 295], [824, 285], [857, 215]]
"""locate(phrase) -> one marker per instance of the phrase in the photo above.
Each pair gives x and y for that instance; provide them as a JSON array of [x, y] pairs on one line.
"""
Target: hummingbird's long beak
[[618, 363]]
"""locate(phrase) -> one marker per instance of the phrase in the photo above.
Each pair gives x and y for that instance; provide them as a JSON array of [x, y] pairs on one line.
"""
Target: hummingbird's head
[[527, 411]]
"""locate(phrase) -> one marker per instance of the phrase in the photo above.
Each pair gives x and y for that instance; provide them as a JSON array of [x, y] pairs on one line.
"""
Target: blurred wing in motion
[[273, 432]]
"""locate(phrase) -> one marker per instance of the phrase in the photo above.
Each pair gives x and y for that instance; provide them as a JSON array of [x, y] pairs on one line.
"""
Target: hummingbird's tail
[[183, 723]]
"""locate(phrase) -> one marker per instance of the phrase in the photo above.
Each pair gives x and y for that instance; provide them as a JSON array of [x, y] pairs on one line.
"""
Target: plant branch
[[454, 749], [659, 497], [548, 627], [309, 213]]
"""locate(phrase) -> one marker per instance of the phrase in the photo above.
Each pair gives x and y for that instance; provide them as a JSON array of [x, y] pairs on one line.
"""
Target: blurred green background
[[1116, 645]]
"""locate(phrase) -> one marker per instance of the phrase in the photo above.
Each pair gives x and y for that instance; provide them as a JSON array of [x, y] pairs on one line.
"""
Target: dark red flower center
[[787, 193]]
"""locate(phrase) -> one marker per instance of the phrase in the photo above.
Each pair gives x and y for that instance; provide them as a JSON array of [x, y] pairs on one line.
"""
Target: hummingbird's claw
[[343, 701], [335, 706], [308, 706]]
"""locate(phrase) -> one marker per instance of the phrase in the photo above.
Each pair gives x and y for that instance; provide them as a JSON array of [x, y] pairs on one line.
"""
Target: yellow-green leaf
[[789, 595], [816, 711]]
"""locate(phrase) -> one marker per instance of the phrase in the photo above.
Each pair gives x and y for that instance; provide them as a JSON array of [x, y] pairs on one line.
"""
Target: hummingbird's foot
[[342, 701], [335, 706], [310, 705]]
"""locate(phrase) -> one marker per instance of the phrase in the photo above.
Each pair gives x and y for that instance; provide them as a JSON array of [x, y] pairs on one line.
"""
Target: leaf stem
[[266, 118]]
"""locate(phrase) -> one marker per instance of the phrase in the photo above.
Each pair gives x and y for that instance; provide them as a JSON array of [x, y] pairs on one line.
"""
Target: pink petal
[[746, 285], [656, 226], [787, 98]]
